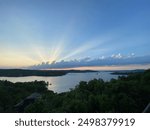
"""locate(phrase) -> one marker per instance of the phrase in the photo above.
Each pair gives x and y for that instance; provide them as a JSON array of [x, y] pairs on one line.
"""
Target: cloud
[[115, 59], [117, 56]]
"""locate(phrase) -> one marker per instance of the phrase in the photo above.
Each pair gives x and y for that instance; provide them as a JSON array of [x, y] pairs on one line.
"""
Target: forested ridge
[[126, 94], [26, 72]]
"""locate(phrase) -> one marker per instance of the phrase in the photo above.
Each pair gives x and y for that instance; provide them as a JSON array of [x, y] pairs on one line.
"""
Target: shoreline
[[44, 73]]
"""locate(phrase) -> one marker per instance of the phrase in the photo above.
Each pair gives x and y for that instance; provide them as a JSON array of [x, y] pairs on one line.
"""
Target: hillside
[[126, 94]]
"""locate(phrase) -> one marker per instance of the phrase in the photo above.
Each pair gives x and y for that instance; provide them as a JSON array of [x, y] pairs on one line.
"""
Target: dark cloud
[[105, 61]]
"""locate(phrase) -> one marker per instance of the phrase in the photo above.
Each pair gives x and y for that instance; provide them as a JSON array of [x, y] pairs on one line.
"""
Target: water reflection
[[64, 83]]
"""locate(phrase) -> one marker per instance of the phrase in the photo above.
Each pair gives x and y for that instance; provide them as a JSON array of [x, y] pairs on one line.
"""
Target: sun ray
[[89, 45]]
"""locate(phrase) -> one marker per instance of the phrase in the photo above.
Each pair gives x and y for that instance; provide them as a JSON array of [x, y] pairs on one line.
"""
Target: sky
[[34, 32]]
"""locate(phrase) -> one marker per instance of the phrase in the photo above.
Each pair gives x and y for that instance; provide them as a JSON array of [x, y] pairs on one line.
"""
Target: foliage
[[126, 94], [13, 93]]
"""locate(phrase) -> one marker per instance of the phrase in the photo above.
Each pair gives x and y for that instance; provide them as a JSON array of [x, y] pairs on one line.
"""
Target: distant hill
[[126, 72], [23, 72]]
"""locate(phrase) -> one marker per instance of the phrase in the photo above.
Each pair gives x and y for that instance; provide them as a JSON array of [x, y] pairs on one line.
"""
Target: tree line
[[126, 94]]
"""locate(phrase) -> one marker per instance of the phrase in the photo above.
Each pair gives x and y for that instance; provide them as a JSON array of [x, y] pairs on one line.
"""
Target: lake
[[65, 82]]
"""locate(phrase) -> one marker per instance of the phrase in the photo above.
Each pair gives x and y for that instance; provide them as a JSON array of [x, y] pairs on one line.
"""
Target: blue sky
[[36, 31]]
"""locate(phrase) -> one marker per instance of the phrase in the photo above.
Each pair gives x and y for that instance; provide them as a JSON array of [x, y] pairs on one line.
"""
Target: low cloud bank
[[88, 62]]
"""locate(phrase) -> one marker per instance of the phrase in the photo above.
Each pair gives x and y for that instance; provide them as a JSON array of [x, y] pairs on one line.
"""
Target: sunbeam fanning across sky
[[87, 47], [73, 33]]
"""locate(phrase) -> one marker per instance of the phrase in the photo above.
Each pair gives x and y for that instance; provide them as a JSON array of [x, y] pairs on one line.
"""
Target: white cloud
[[102, 57], [132, 54], [118, 56]]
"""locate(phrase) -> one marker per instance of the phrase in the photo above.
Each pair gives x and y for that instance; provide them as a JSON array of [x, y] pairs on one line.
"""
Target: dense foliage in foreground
[[126, 94]]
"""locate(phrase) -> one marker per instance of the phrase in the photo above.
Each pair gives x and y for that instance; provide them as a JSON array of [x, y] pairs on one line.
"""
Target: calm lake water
[[64, 83]]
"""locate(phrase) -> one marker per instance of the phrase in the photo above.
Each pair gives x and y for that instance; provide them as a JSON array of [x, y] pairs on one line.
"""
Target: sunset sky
[[36, 31]]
